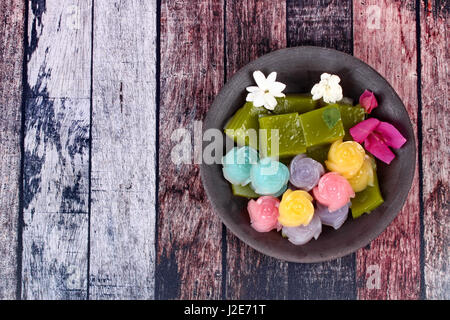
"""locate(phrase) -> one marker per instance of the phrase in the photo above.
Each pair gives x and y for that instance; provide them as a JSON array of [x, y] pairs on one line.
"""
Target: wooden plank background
[[11, 57], [56, 150], [91, 205], [395, 254], [434, 58], [122, 210]]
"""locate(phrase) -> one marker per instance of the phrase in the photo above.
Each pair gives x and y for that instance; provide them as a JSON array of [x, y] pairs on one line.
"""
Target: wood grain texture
[[326, 24], [435, 58], [122, 241], [11, 63], [189, 257], [253, 28], [385, 38], [56, 159], [323, 23]]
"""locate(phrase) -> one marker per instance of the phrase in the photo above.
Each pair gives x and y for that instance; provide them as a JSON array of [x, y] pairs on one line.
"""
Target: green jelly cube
[[319, 153], [346, 101], [367, 200], [290, 135], [295, 102], [244, 191], [243, 123], [317, 130], [351, 116]]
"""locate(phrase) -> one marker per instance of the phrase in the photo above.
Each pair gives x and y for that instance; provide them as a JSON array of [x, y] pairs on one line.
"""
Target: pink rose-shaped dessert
[[368, 101], [264, 213], [333, 191]]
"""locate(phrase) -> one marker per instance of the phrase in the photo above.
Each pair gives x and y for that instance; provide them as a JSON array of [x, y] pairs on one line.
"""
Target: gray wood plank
[[11, 62], [123, 150], [435, 72], [56, 150]]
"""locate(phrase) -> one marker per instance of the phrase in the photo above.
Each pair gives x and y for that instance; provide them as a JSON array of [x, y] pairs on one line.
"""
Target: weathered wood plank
[[56, 159], [385, 38], [326, 24], [253, 28], [11, 63], [323, 23], [189, 258], [122, 241], [435, 58]]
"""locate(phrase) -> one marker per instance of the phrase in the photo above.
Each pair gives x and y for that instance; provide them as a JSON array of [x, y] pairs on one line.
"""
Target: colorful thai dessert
[[306, 160]]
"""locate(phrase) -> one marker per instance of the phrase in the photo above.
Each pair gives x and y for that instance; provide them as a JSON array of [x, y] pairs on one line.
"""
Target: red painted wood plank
[[326, 24], [11, 62], [189, 258], [435, 58], [385, 38], [253, 28]]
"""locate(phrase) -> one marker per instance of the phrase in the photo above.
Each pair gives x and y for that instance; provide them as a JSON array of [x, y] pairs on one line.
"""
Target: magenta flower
[[368, 101], [378, 136]]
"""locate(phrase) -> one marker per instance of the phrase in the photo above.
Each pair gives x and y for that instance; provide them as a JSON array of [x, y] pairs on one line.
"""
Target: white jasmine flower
[[267, 90], [328, 88]]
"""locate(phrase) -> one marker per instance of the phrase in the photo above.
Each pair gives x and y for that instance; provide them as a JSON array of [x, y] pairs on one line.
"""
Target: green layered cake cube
[[322, 126], [367, 200], [243, 126], [319, 153], [351, 116], [244, 191], [295, 102], [285, 128]]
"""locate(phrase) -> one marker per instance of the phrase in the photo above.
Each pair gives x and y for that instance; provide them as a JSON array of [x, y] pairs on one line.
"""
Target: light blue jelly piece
[[268, 176], [280, 193], [237, 164]]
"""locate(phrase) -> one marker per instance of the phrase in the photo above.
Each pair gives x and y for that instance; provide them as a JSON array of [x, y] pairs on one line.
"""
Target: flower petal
[[258, 100], [278, 95], [391, 136], [362, 130], [252, 88], [271, 78], [317, 91], [270, 101], [334, 79], [277, 88], [260, 79], [325, 76], [250, 97], [368, 101], [376, 146]]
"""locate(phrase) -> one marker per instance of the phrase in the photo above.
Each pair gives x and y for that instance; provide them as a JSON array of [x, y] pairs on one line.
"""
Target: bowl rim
[[359, 242]]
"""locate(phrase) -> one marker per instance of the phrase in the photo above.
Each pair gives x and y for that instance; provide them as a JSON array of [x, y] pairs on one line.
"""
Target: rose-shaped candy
[[305, 172], [296, 208], [280, 193], [237, 164], [365, 175], [345, 158], [303, 234], [268, 176], [333, 219], [264, 213], [333, 191]]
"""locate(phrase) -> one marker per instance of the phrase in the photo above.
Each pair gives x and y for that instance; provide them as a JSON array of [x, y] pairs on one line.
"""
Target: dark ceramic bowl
[[299, 68]]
